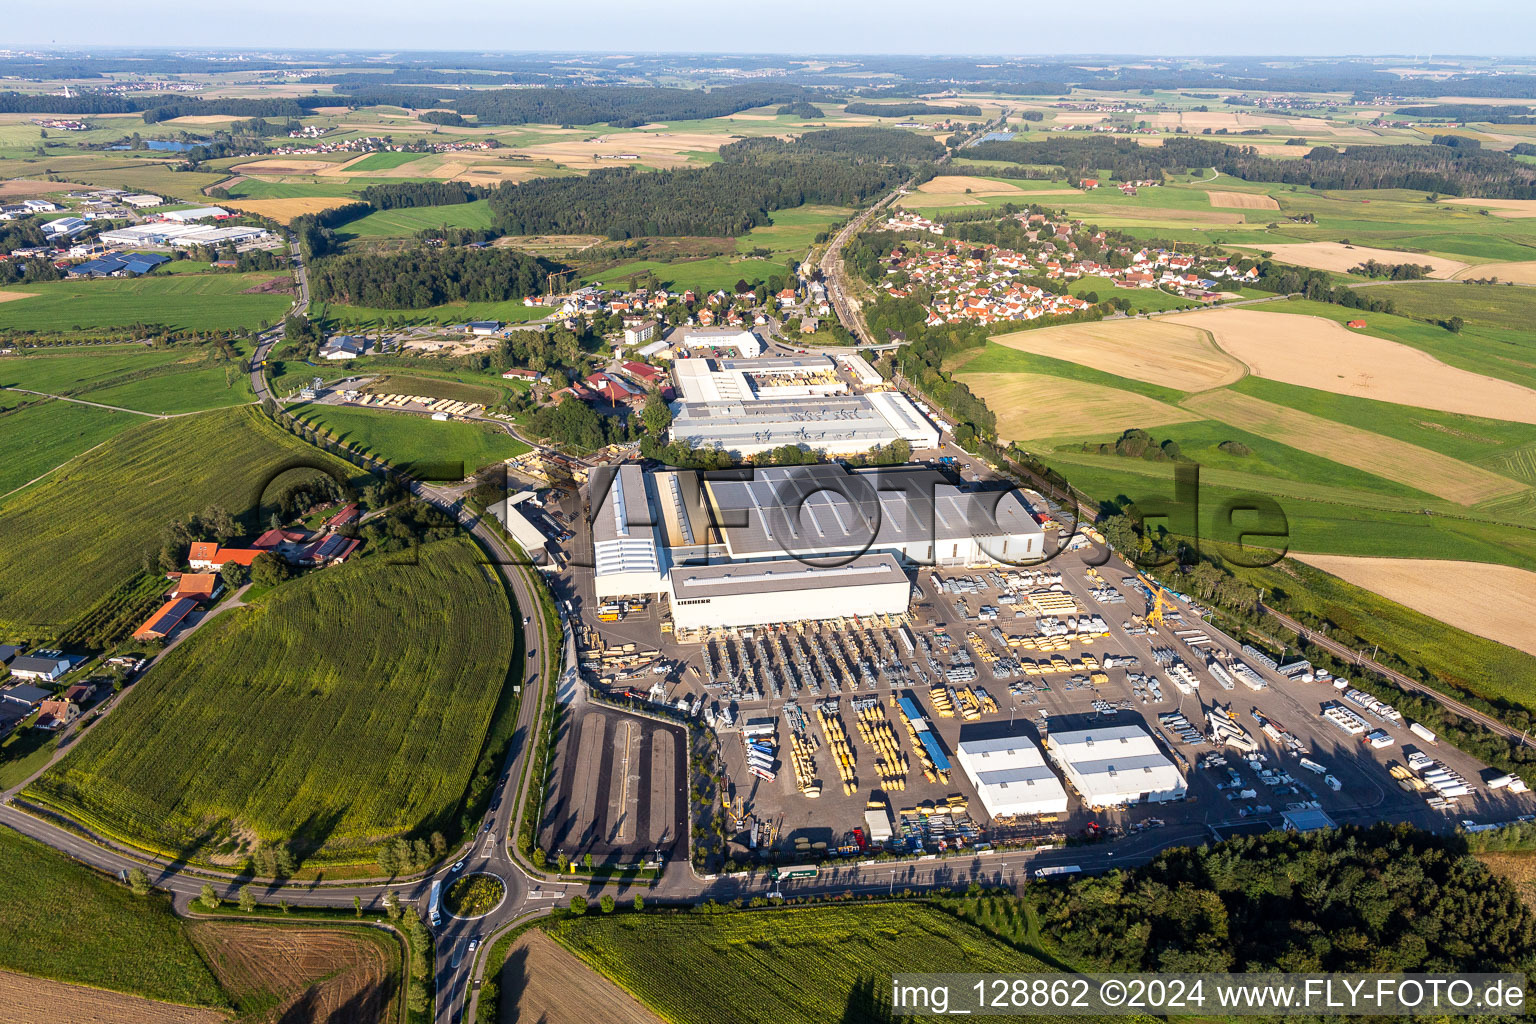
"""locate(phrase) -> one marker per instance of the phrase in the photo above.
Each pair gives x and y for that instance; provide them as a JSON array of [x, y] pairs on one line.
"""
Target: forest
[[911, 109], [420, 193], [1487, 113], [726, 198], [417, 278], [620, 106], [1387, 898], [891, 145]]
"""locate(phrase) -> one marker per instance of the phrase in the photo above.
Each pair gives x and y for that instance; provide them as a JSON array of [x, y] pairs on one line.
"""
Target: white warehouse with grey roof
[[785, 543], [1116, 765]]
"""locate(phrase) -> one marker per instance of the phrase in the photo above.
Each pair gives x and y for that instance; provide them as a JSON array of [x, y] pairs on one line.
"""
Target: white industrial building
[[142, 200], [1116, 765], [785, 590], [745, 342], [1011, 776], [181, 234], [654, 531], [196, 213], [528, 536]]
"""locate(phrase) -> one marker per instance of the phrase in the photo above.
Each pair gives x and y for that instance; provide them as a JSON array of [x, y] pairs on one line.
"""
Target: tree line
[[1379, 899]]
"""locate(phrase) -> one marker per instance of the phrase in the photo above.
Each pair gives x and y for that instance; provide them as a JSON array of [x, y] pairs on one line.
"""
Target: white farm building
[[1011, 776], [1116, 765]]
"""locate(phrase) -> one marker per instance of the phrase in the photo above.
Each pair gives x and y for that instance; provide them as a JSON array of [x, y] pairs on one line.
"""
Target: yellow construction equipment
[[1160, 600]]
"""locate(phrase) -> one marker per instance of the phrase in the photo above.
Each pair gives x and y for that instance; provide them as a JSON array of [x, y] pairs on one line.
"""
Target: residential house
[[56, 714], [640, 333]]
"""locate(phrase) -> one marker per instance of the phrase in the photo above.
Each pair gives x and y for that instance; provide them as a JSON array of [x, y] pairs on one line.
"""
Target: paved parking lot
[[755, 674]]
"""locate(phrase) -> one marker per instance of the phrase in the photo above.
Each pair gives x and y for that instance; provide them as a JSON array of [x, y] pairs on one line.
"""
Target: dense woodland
[[1446, 169], [727, 198], [421, 193], [1379, 899], [417, 278], [891, 145], [620, 106], [1486, 113], [911, 109]]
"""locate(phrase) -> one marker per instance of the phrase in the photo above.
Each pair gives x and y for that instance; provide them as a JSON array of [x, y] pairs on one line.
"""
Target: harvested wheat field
[[21, 188], [284, 166], [1155, 351], [544, 982], [8, 296], [1493, 601], [1519, 273], [286, 209], [202, 119], [654, 149], [1242, 201], [1501, 207], [29, 1000], [1312, 352], [960, 184], [1340, 258], [1031, 406], [1387, 457], [302, 973]]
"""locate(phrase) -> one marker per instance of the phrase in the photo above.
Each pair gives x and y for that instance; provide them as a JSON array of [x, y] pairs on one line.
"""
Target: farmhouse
[[1115, 765], [200, 586], [208, 555], [166, 619], [1011, 776], [56, 714]]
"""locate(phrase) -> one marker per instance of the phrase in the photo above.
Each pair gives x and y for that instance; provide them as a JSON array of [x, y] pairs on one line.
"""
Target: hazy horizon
[[1306, 28]]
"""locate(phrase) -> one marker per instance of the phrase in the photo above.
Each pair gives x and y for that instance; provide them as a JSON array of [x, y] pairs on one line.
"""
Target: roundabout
[[475, 896]]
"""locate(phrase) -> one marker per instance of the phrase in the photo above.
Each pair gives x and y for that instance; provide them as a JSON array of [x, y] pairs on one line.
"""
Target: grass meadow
[[342, 708], [177, 302], [107, 508], [66, 922], [154, 381], [401, 438], [39, 436]]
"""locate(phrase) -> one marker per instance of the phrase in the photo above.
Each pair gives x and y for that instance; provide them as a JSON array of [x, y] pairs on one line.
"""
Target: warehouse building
[[627, 556], [181, 234], [831, 511], [759, 593], [830, 425], [1011, 776], [1116, 765], [528, 536]]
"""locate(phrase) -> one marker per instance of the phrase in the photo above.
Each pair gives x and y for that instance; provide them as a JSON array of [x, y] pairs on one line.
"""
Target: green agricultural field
[[339, 710], [385, 161], [160, 382], [106, 508], [1503, 307], [813, 964], [402, 438], [66, 922], [794, 230], [404, 223], [178, 302], [707, 274], [1141, 299], [40, 436]]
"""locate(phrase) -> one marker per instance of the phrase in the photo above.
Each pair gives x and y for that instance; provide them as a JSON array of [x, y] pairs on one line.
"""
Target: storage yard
[[1023, 706]]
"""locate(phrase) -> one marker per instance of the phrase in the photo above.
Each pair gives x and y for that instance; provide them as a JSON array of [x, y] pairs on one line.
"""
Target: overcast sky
[[793, 26]]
